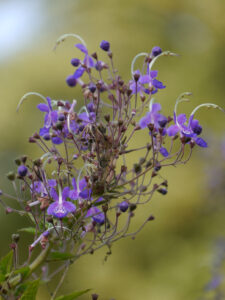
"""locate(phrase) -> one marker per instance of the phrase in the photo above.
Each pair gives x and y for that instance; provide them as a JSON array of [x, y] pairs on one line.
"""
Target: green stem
[[36, 263]]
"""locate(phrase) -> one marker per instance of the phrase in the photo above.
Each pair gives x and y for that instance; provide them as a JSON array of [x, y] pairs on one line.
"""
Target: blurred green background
[[171, 258]]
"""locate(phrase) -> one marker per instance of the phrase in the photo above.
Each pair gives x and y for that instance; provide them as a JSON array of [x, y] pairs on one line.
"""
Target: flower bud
[[137, 168], [133, 207], [31, 140], [94, 297], [105, 45], [123, 206], [15, 237], [136, 76], [18, 161], [22, 170], [162, 191], [156, 51], [24, 158], [75, 62], [92, 87], [151, 218], [11, 176], [71, 81]]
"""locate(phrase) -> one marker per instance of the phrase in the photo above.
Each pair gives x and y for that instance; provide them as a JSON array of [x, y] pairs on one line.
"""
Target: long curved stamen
[[60, 195], [181, 99], [29, 94], [83, 108], [68, 117], [165, 53], [135, 58], [207, 105], [65, 36], [151, 103]]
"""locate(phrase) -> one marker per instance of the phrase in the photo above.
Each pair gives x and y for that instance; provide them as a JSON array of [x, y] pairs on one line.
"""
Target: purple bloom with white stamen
[[153, 117], [51, 115], [60, 207], [153, 83], [88, 61], [190, 129]]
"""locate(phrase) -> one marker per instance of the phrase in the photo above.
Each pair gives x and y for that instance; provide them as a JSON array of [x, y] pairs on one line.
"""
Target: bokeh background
[[173, 257]]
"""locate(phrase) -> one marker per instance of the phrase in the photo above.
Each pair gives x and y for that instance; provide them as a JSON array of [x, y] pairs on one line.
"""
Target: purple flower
[[88, 61], [153, 117], [153, 83], [190, 129], [22, 170], [80, 190], [51, 115], [60, 207], [87, 117], [96, 214], [136, 86], [156, 51], [39, 187], [105, 45]]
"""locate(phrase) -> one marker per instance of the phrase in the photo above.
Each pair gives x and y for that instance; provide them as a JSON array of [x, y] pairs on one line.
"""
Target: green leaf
[[73, 295], [6, 263], [23, 271], [31, 230], [60, 256], [31, 290]]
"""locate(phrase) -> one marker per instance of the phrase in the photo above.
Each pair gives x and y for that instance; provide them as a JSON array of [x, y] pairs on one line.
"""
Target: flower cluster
[[81, 194]]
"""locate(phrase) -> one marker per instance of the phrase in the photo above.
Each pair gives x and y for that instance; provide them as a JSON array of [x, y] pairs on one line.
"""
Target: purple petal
[[84, 116], [74, 184], [79, 72], [200, 142], [144, 79], [47, 120], [54, 116], [173, 130], [54, 194], [153, 74], [43, 131], [181, 119], [158, 84], [51, 208], [73, 194], [49, 102], [52, 182], [144, 121], [90, 62], [65, 192], [56, 140], [164, 152], [96, 215], [57, 210], [43, 107], [82, 48], [155, 107], [69, 206], [82, 184]]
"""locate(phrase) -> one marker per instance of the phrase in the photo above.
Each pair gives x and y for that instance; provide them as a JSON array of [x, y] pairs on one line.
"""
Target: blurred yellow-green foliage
[[171, 258]]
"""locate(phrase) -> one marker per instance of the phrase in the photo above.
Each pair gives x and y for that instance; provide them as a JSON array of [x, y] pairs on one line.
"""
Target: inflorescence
[[82, 193]]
